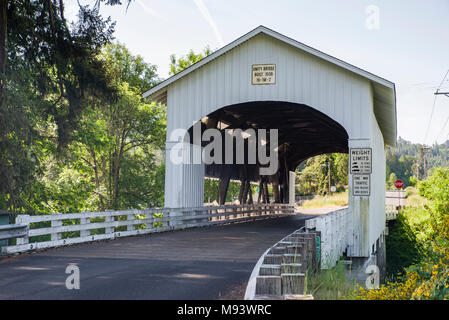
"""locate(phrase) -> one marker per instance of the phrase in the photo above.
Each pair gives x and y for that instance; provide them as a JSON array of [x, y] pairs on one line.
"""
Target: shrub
[[425, 236]]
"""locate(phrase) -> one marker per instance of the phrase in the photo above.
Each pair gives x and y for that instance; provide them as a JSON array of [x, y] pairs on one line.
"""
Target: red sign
[[399, 184]]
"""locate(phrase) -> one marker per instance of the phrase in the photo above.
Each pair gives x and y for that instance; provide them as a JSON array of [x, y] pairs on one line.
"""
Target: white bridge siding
[[301, 77]]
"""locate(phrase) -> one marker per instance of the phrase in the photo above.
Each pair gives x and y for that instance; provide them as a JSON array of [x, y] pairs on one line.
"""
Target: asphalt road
[[200, 263]]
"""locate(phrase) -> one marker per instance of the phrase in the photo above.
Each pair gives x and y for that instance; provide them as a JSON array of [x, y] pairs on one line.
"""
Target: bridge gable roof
[[384, 95]]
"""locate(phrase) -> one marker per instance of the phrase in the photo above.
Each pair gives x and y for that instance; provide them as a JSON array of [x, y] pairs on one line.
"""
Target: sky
[[404, 41]]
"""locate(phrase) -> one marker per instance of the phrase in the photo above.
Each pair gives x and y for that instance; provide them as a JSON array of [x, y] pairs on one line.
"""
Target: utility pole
[[422, 161], [328, 175], [425, 151], [417, 165]]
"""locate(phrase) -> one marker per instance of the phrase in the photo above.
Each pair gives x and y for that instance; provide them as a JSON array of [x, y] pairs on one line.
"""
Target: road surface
[[199, 263]]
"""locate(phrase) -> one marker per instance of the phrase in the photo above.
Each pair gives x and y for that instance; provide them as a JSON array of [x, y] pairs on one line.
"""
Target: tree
[[177, 65], [48, 72], [114, 133], [313, 177], [391, 180], [436, 189], [120, 138]]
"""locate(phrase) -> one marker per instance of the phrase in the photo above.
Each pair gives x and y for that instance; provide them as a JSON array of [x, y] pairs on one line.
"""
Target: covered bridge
[[318, 103]]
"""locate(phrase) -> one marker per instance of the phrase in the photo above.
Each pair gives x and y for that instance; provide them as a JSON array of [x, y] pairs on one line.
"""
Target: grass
[[335, 200], [408, 234], [330, 284]]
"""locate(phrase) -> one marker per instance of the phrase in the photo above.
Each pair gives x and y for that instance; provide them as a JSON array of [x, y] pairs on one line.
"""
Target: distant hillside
[[402, 160], [401, 164]]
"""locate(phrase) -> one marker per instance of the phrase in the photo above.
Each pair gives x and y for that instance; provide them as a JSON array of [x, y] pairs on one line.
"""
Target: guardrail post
[[130, 217], [23, 219], [107, 219], [84, 221], [56, 235]]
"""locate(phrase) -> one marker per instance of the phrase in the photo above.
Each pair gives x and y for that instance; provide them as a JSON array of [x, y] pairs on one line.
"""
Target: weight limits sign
[[263, 74], [360, 162]]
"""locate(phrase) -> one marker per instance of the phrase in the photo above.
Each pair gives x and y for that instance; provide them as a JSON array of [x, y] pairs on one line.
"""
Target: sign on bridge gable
[[263, 74]]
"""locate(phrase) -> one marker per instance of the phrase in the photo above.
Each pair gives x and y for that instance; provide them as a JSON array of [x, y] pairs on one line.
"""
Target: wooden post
[[84, 221], [250, 194], [266, 194], [108, 218], [242, 190], [56, 235], [130, 217], [23, 219], [260, 195]]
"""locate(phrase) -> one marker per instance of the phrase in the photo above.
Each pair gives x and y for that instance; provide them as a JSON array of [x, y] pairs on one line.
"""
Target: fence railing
[[335, 229], [53, 230], [11, 231], [391, 212]]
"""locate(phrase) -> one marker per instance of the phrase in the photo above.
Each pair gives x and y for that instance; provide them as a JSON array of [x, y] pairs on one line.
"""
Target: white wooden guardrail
[[11, 231], [91, 226], [335, 228]]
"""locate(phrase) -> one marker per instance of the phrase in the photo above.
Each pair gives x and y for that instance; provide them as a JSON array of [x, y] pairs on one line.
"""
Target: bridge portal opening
[[303, 132]]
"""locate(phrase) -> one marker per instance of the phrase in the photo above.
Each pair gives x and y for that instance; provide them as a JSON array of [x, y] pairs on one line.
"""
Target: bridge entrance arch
[[318, 104]]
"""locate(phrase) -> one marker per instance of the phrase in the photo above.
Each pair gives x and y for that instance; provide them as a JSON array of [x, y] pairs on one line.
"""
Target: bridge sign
[[361, 185], [399, 184], [360, 160], [263, 74]]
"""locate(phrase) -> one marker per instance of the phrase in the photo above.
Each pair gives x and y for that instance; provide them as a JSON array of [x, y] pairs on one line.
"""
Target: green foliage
[[331, 284], [211, 190], [404, 245], [123, 67], [410, 191], [335, 200], [115, 157], [116, 143], [49, 73], [413, 181], [313, 175], [436, 189], [419, 237], [404, 158], [177, 65], [58, 65], [390, 182]]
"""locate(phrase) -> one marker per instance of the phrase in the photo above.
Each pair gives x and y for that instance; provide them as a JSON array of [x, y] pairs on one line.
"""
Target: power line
[[433, 107], [443, 79], [446, 94], [444, 127], [430, 120]]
